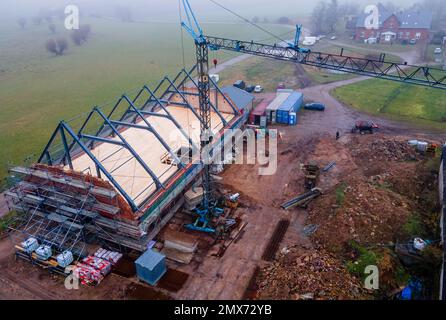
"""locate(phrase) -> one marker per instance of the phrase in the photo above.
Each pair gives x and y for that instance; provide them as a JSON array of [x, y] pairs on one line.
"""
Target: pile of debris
[[380, 149], [361, 211], [303, 274]]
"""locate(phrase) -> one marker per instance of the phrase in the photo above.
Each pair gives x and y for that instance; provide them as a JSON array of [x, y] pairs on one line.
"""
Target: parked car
[[333, 38], [240, 84], [281, 85], [364, 127], [371, 40], [437, 51], [413, 41], [315, 106], [258, 89], [250, 88]]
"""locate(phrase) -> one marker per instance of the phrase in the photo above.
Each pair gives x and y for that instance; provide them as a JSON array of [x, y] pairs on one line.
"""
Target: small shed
[[291, 105], [150, 266], [274, 105], [257, 113], [243, 100]]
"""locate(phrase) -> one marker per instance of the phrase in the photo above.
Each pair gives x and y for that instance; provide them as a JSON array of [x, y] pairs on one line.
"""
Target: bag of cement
[[64, 259], [44, 252], [30, 245]]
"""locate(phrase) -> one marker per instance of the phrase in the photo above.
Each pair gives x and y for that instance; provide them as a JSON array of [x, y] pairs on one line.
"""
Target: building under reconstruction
[[117, 174]]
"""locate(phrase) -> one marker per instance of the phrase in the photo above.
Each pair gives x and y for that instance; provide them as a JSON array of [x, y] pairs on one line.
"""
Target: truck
[[363, 127]]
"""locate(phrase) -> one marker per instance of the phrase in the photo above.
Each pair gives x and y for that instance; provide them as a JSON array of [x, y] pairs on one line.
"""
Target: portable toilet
[[150, 266], [292, 119]]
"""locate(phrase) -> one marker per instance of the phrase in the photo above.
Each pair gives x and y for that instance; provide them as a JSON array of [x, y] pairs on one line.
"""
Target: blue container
[[291, 105], [150, 266]]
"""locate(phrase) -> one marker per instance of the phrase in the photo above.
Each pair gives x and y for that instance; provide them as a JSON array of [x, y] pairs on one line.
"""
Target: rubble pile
[[381, 149], [368, 214], [303, 274]]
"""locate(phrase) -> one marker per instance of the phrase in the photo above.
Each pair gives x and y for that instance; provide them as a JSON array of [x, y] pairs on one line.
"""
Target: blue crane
[[376, 68]]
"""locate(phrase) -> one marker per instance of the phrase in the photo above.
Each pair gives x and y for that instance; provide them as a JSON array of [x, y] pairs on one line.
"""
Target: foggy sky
[[168, 9]]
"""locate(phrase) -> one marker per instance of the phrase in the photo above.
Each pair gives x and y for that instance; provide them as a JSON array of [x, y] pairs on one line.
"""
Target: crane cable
[[248, 21], [180, 16]]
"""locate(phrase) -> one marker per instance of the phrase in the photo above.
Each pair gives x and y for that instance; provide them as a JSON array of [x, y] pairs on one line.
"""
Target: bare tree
[[255, 19], [52, 27], [81, 35], [62, 45], [37, 20], [438, 9], [318, 16], [22, 22], [331, 17], [51, 46], [58, 46]]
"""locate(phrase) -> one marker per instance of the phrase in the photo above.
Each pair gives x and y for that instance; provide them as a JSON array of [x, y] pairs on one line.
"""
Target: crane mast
[[204, 96]]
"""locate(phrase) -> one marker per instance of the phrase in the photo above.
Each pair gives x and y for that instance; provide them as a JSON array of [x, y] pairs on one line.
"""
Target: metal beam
[[132, 151], [160, 104], [99, 166], [45, 151], [155, 133], [67, 150], [185, 100], [100, 139], [417, 75], [216, 98]]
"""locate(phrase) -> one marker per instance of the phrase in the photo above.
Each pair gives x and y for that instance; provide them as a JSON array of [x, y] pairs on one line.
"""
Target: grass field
[[265, 72], [38, 90], [423, 107]]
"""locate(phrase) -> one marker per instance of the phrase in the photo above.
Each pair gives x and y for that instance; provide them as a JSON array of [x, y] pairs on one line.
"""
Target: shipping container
[[274, 105], [257, 113], [291, 105]]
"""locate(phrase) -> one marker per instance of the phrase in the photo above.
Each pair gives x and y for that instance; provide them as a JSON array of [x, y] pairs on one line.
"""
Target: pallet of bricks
[[93, 269]]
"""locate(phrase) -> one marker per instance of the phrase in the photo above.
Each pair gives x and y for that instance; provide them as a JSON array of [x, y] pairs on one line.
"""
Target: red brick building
[[396, 27]]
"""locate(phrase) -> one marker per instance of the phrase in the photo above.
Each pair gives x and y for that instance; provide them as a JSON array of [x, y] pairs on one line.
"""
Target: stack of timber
[[193, 197], [179, 246]]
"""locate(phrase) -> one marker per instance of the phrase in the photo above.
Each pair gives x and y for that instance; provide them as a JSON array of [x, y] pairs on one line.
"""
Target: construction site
[[136, 201]]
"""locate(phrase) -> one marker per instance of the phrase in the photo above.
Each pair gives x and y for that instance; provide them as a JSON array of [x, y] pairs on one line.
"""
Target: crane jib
[[376, 68]]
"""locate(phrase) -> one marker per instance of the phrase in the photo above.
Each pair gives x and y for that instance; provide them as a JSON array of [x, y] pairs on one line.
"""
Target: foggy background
[[168, 9]]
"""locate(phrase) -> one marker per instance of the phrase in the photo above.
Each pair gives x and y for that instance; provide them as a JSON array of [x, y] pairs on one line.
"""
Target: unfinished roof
[[139, 144], [241, 98]]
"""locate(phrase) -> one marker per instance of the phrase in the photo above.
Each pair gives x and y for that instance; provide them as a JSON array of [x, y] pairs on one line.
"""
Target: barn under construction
[[117, 174]]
